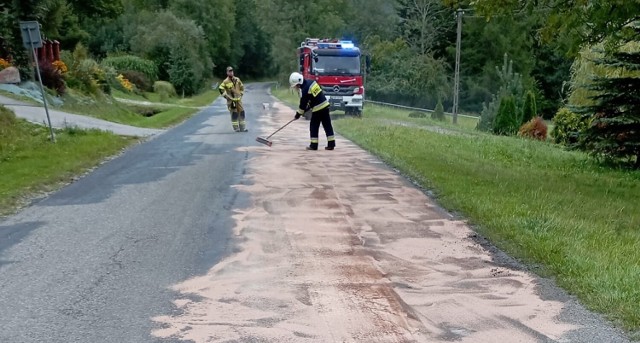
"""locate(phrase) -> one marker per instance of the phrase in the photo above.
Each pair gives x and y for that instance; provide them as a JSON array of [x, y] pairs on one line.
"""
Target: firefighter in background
[[312, 97], [232, 89]]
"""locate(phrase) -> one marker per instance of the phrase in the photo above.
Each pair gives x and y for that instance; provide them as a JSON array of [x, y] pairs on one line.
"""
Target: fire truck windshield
[[337, 65]]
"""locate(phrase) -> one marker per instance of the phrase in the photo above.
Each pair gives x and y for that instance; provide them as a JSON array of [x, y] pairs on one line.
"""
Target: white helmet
[[295, 79]]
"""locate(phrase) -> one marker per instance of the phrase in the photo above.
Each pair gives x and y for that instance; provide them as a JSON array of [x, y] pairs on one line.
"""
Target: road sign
[[30, 31], [31, 39]]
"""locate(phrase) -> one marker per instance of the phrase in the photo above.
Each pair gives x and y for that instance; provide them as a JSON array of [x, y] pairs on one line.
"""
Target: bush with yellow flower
[[4, 64], [126, 84], [60, 67]]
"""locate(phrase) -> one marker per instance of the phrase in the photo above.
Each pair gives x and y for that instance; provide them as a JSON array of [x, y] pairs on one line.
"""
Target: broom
[[266, 141]]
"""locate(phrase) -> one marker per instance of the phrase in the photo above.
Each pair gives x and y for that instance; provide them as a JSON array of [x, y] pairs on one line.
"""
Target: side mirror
[[367, 63], [301, 62]]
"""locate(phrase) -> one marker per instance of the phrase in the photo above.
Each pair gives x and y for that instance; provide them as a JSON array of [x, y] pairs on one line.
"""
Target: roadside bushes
[[567, 127], [535, 128], [164, 89], [139, 79], [85, 74], [132, 67], [52, 77], [438, 113]]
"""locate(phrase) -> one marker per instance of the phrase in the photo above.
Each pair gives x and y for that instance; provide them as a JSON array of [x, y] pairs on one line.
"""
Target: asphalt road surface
[[201, 234]]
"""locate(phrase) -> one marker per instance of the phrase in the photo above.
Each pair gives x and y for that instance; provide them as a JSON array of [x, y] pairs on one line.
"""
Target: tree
[[97, 8], [161, 37], [423, 23], [529, 110], [217, 19], [572, 22], [507, 120], [381, 19], [510, 86], [251, 50], [400, 75], [615, 128]]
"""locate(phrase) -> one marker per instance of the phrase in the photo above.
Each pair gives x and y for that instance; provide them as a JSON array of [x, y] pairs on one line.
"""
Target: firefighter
[[232, 89], [312, 97]]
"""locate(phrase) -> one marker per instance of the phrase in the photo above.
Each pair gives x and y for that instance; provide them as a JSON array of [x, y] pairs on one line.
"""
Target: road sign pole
[[44, 97]]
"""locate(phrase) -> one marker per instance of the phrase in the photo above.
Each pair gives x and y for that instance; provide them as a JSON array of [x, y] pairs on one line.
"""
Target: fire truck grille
[[339, 90]]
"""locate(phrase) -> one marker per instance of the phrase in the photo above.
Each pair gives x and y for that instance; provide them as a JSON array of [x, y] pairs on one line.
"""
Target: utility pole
[[456, 82]]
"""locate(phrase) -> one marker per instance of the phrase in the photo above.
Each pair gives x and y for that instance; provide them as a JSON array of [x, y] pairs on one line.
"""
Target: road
[[202, 235]]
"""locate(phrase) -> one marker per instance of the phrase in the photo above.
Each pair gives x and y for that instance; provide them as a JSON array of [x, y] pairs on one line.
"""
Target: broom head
[[264, 141]]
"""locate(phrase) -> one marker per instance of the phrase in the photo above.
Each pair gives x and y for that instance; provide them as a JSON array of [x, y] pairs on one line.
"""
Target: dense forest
[[577, 59]]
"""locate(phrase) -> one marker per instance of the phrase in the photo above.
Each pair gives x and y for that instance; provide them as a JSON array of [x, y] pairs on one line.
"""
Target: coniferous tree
[[529, 110], [615, 128]]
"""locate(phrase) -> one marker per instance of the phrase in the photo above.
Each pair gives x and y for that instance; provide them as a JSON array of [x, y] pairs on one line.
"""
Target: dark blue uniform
[[313, 98]]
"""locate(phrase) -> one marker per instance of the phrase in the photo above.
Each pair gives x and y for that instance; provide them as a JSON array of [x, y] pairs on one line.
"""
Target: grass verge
[[558, 211], [30, 164], [199, 100], [129, 114]]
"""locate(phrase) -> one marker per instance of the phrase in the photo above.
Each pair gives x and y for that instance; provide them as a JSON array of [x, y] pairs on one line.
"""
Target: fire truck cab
[[335, 65]]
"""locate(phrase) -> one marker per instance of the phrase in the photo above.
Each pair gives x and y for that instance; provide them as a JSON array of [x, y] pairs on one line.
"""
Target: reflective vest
[[312, 97]]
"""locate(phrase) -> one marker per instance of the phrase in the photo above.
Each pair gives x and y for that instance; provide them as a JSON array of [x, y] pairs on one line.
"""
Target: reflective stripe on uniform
[[299, 111], [314, 140], [317, 108], [331, 138]]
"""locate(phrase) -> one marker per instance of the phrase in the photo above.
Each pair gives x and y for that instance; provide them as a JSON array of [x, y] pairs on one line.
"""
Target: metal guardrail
[[416, 108]]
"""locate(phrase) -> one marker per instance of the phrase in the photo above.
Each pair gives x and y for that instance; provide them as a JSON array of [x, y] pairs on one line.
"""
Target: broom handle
[[283, 126]]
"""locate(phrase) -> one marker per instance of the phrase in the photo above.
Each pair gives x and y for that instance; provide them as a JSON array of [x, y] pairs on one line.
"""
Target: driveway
[[37, 114]]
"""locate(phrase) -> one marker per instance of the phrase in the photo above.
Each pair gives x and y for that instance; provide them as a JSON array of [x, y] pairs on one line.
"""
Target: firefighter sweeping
[[313, 98]]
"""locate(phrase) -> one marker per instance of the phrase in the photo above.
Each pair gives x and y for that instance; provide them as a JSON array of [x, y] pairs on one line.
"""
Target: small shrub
[[568, 126], [417, 114], [164, 89], [488, 115], [52, 77], [438, 113], [535, 128], [507, 120], [138, 79]]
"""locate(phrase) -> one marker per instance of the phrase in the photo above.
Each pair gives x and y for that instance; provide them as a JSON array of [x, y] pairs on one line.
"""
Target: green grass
[[30, 163], [199, 100], [572, 219], [128, 114]]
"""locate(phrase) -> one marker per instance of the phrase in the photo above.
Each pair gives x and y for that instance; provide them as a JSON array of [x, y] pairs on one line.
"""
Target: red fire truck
[[335, 65]]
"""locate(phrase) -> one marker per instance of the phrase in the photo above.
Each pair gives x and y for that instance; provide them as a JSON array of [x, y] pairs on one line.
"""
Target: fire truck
[[335, 65]]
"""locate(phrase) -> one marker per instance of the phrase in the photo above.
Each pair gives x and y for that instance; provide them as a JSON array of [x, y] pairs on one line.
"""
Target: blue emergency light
[[344, 44], [347, 44]]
